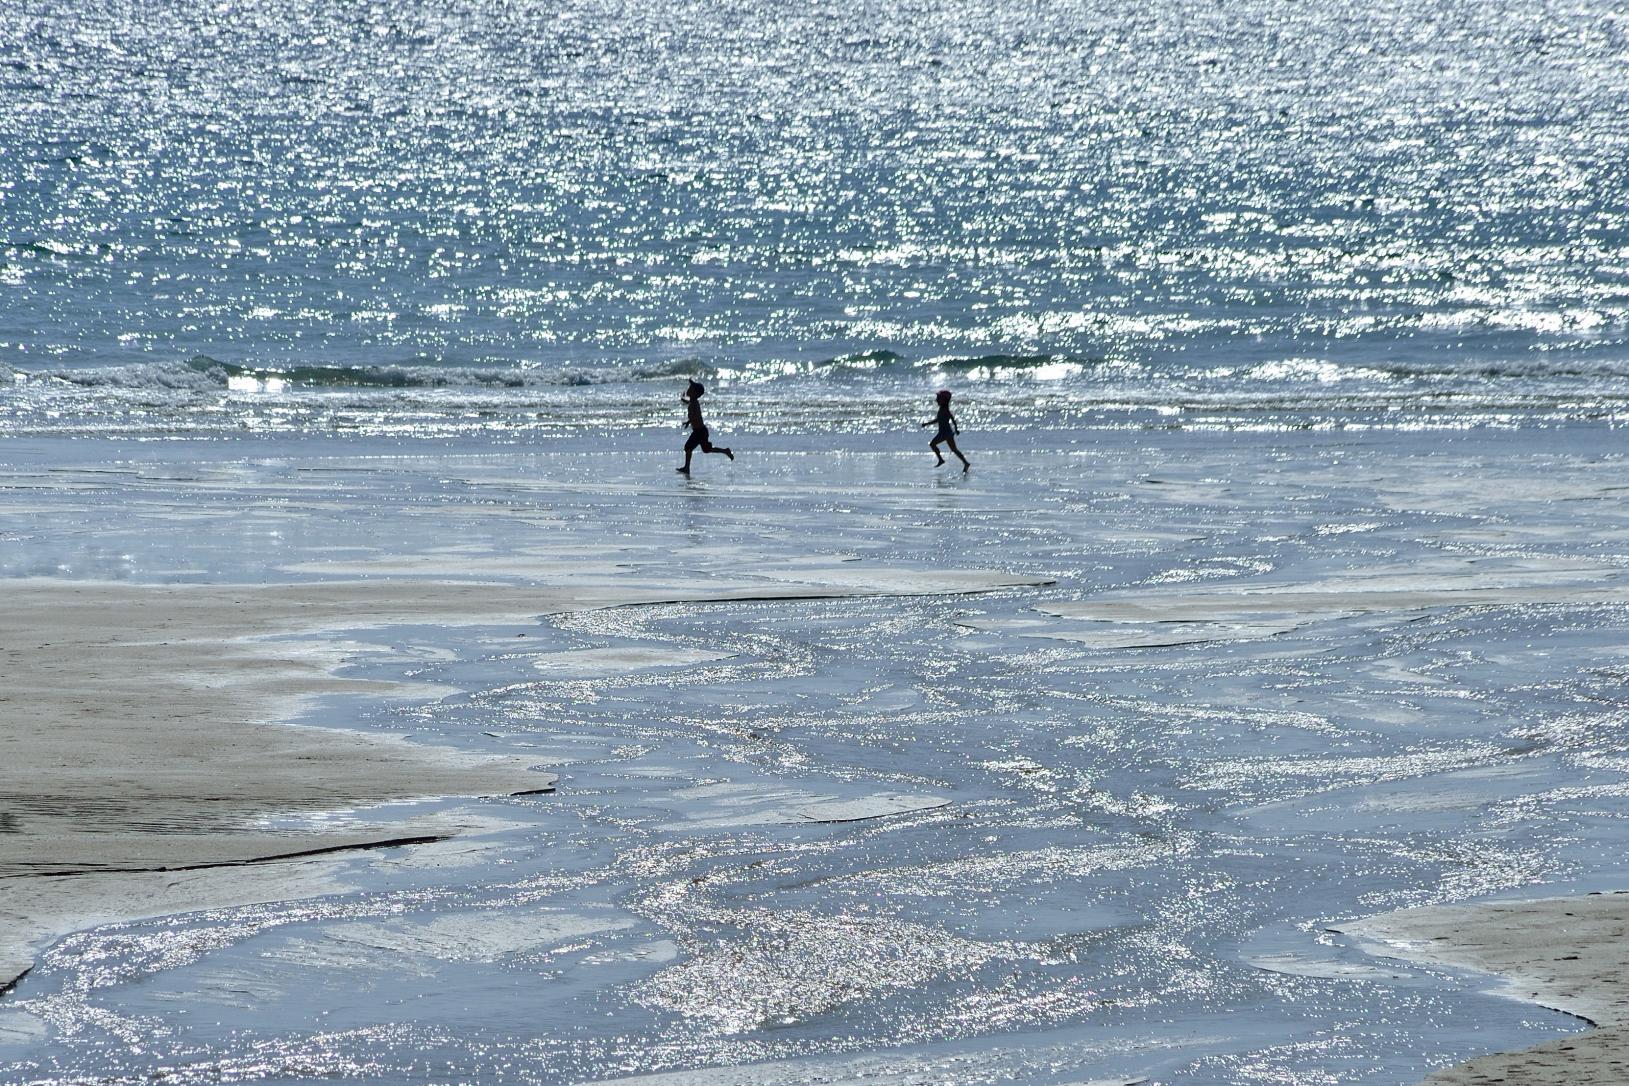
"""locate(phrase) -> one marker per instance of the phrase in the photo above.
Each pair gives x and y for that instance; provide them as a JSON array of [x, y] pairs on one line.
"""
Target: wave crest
[[205, 374]]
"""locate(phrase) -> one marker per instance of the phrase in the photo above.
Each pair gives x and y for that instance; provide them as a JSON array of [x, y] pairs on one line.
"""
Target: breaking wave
[[205, 374]]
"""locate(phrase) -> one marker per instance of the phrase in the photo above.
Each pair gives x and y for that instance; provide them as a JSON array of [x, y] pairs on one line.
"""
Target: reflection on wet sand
[[816, 813]]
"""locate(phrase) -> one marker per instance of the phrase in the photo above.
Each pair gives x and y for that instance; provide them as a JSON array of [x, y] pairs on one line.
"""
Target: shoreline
[[1570, 954], [145, 728]]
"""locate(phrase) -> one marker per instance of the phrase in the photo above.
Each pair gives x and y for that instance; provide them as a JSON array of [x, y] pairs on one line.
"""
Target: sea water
[[1323, 300], [488, 217]]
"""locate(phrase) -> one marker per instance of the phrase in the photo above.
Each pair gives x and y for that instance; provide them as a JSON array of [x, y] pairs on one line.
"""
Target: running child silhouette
[[947, 430], [697, 427]]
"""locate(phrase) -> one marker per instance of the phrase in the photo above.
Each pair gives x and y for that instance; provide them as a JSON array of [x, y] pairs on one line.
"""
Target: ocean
[[505, 219]]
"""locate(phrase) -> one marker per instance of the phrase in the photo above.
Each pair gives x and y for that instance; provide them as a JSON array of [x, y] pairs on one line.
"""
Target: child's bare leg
[[933, 446], [958, 452], [708, 447]]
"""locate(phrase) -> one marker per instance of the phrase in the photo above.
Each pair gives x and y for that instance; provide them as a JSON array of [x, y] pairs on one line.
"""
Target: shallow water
[[1089, 860]]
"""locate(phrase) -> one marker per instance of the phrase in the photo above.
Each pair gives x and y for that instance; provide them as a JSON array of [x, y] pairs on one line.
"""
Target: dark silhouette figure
[[699, 438], [947, 430]]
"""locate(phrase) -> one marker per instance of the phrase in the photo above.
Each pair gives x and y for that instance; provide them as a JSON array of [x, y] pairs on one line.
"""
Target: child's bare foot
[[682, 471], [965, 465], [939, 463], [729, 454]]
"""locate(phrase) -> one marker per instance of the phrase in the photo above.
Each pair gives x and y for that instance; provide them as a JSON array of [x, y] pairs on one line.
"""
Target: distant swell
[[205, 374]]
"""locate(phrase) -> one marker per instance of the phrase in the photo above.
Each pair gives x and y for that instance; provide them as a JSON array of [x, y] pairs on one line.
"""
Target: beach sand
[[144, 746], [934, 840], [1570, 953]]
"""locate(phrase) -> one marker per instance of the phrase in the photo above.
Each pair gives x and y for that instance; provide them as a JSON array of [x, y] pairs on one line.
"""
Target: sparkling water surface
[[283, 215], [1127, 851]]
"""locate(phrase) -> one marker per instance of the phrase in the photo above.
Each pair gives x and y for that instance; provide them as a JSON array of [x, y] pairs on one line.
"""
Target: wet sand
[[1569, 953], [933, 839], [143, 738]]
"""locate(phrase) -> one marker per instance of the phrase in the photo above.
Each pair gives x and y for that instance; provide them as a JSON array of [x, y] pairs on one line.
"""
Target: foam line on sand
[[1569, 953], [142, 727]]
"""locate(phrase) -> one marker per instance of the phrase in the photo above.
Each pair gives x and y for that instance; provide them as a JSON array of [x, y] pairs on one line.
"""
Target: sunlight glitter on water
[[1121, 854], [1418, 198]]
